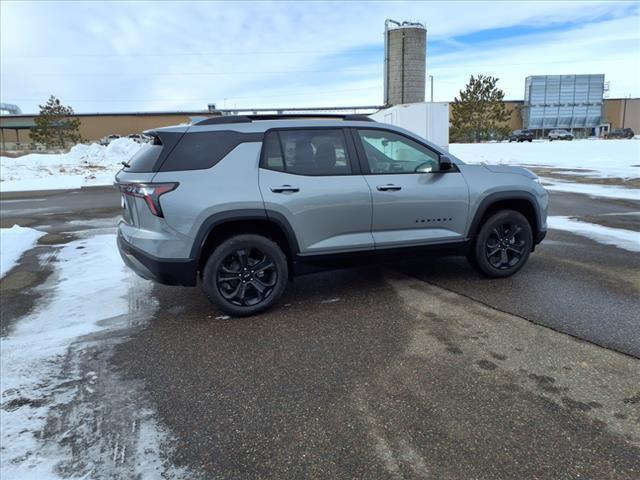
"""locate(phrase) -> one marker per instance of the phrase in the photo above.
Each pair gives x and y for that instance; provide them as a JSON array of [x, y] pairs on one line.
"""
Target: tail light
[[149, 192]]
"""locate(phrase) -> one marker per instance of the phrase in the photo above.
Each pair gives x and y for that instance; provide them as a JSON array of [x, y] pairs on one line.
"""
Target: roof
[[309, 116], [16, 122]]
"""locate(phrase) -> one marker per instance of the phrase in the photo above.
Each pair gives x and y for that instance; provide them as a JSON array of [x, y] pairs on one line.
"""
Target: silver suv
[[242, 204]]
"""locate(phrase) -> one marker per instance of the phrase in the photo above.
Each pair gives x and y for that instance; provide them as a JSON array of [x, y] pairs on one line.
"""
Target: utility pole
[[431, 79]]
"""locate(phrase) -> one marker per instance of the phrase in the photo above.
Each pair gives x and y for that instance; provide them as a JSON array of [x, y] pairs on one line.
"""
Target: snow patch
[[83, 165], [618, 237], [603, 191], [596, 158], [64, 412], [14, 242]]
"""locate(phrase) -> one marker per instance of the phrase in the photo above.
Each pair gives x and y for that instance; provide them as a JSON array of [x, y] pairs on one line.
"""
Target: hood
[[510, 169]]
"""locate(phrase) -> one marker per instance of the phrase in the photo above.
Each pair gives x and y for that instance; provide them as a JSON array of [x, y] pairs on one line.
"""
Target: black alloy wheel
[[245, 274], [502, 245], [246, 277]]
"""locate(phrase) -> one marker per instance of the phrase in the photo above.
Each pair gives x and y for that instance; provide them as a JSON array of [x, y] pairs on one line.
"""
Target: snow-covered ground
[[618, 237], [83, 165], [65, 413], [596, 158], [592, 190], [14, 242]]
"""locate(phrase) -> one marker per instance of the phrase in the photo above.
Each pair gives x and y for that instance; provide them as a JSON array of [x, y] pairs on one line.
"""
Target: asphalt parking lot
[[419, 369]]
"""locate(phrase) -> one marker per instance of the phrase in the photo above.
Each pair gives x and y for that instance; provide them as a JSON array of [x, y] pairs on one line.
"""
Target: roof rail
[[218, 120]]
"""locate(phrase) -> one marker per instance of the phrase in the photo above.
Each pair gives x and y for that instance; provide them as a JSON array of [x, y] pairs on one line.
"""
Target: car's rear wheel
[[502, 245], [245, 274]]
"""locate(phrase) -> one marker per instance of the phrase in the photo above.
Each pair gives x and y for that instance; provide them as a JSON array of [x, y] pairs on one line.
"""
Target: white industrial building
[[427, 119]]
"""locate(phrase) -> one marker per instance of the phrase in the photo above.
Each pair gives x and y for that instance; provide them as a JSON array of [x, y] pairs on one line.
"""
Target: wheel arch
[[221, 226], [522, 202]]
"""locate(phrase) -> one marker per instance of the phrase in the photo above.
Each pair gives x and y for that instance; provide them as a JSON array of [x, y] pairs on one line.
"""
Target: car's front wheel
[[502, 245], [245, 274]]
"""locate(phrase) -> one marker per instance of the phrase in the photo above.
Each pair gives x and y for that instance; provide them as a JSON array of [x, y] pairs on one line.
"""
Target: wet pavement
[[412, 370]]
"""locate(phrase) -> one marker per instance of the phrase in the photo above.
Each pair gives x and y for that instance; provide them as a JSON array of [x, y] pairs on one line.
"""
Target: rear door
[[410, 208], [311, 178]]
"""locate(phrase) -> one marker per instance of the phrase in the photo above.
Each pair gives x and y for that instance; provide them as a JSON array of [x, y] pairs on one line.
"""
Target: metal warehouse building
[[563, 101]]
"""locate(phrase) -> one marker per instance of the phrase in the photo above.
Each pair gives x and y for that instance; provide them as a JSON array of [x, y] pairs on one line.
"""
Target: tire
[[529, 140], [510, 251], [250, 263]]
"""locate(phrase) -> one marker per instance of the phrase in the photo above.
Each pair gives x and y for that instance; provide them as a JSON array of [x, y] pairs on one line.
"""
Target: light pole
[[431, 79]]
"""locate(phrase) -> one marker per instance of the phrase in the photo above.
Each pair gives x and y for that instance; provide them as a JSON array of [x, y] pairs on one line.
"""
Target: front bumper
[[540, 236], [161, 270]]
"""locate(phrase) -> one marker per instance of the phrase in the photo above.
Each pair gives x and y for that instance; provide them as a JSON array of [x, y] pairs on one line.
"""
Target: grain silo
[[405, 51]]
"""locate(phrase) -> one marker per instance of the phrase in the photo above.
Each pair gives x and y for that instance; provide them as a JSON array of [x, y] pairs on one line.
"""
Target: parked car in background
[[620, 133], [239, 205], [559, 134], [137, 137], [521, 136], [108, 139]]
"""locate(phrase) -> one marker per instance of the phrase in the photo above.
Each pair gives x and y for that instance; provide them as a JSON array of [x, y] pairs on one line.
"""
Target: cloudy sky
[[141, 56]]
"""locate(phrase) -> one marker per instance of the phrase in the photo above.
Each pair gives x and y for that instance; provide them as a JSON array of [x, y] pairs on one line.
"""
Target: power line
[[201, 54]]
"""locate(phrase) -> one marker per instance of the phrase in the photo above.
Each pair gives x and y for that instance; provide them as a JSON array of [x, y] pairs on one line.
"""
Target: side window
[[319, 152], [388, 152], [202, 150], [272, 155]]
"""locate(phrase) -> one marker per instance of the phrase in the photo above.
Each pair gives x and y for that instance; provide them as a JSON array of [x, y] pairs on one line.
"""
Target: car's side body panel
[[429, 207], [230, 185], [328, 214]]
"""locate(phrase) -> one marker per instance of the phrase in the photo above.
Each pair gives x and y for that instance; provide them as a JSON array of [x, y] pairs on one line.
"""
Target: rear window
[[202, 150], [146, 158]]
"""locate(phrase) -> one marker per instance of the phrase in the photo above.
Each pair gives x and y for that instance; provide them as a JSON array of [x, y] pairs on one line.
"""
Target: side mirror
[[445, 163]]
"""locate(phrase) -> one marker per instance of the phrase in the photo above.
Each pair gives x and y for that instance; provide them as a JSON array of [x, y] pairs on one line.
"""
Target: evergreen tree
[[55, 126], [480, 113]]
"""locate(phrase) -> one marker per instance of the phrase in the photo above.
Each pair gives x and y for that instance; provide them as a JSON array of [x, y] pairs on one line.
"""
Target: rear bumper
[[165, 271]]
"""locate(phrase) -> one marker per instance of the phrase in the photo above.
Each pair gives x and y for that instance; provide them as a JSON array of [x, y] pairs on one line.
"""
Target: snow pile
[[618, 237], [596, 158], [14, 242], [83, 165]]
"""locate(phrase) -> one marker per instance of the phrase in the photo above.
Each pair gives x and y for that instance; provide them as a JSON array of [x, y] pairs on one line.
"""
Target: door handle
[[389, 188], [285, 189]]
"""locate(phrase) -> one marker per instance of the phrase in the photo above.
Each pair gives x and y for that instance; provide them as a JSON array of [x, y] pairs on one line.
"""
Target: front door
[[309, 176], [411, 208]]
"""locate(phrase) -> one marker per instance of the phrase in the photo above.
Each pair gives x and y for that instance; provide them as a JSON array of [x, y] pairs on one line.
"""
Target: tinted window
[[388, 152], [272, 154], [201, 150], [308, 152], [145, 159]]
